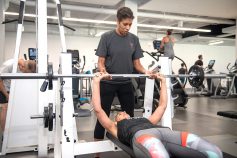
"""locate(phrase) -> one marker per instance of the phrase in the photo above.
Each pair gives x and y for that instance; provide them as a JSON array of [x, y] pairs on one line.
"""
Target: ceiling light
[[114, 23], [215, 42], [13, 13], [174, 28], [89, 21]]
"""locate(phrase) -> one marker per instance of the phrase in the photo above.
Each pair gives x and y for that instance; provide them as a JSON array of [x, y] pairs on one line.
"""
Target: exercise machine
[[180, 97], [78, 101], [211, 83], [229, 91]]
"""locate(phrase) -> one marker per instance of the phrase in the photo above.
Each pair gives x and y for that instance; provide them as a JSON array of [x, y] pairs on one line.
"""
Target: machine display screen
[[32, 53], [156, 44], [211, 63]]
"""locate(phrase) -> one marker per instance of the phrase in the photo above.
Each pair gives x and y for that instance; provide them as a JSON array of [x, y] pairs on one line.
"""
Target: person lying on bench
[[145, 137]]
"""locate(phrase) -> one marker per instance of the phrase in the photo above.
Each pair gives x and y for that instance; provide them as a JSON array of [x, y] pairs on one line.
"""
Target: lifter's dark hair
[[124, 13]]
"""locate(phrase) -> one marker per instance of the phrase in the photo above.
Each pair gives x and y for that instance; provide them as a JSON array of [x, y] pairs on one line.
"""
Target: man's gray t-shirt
[[119, 52]]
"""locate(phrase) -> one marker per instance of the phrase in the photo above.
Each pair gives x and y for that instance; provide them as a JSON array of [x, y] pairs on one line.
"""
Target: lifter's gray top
[[119, 52]]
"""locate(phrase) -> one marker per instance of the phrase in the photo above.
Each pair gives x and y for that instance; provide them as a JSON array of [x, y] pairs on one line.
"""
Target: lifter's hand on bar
[[150, 74], [101, 75], [108, 77], [160, 77]]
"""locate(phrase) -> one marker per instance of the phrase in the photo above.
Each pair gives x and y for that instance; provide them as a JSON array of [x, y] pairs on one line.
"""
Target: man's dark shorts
[[3, 99]]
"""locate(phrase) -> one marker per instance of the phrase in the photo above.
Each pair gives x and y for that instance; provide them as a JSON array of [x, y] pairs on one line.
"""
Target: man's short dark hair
[[169, 31], [124, 13], [199, 56]]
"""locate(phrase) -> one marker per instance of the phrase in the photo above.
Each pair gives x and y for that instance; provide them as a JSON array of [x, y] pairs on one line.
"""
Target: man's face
[[124, 26]]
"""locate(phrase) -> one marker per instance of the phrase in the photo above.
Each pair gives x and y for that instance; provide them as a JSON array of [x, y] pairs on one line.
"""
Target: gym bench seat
[[124, 147], [229, 114]]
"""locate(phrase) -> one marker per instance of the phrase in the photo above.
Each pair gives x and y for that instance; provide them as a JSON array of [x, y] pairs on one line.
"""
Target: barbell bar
[[56, 76], [195, 75]]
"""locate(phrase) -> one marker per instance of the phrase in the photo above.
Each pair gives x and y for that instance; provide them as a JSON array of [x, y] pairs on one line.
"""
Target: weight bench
[[229, 114], [124, 147]]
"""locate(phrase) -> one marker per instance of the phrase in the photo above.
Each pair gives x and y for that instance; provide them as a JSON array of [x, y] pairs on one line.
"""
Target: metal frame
[[66, 144], [166, 69], [65, 140], [13, 128], [43, 97]]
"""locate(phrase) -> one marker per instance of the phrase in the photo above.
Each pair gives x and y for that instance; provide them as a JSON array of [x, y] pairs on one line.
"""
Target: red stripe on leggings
[[184, 136]]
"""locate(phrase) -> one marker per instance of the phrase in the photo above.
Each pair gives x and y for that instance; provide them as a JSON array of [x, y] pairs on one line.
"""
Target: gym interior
[[62, 37]]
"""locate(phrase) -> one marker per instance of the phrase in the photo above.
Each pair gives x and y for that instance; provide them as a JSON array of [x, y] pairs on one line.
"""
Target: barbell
[[195, 76], [47, 116]]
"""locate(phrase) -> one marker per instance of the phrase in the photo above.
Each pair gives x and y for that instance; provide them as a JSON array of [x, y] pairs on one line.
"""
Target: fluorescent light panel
[[215, 43], [114, 23], [174, 28]]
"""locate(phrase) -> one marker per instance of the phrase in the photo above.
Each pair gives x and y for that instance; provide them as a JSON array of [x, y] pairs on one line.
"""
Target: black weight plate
[[50, 75], [51, 116], [46, 117], [196, 81]]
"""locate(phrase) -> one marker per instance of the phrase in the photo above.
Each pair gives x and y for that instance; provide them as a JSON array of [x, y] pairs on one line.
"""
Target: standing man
[[182, 70], [24, 66], [199, 62], [167, 45], [118, 52]]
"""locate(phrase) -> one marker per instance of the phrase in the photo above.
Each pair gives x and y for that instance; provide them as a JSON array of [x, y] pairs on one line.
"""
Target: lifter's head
[[121, 116]]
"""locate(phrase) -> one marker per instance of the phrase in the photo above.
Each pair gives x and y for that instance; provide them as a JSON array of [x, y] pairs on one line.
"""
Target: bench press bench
[[229, 114], [124, 147]]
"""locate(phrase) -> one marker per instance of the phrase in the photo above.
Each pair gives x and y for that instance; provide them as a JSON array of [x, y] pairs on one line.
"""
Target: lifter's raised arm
[[105, 121], [158, 113]]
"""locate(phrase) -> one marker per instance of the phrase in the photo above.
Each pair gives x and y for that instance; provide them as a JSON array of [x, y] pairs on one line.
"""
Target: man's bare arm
[[105, 121], [101, 64], [138, 66], [162, 44], [3, 89], [158, 113]]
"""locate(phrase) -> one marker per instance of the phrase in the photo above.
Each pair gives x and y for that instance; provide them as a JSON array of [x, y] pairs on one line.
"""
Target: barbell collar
[[36, 116]]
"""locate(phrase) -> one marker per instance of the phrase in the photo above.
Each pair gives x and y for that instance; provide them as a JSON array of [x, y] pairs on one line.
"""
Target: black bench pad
[[230, 114], [124, 147]]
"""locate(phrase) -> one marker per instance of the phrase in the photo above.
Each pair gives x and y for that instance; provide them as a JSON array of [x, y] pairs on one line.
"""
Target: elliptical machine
[[230, 90], [233, 72], [211, 83]]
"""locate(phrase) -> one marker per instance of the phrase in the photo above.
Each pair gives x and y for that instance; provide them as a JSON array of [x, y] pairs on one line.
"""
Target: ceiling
[[205, 14]]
